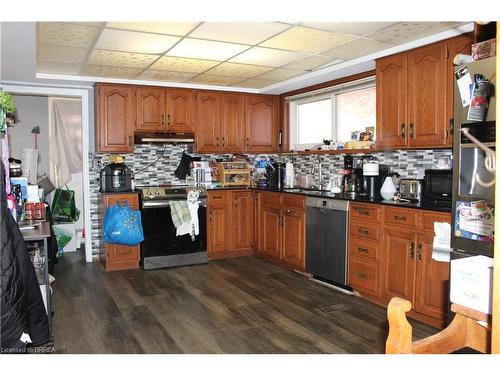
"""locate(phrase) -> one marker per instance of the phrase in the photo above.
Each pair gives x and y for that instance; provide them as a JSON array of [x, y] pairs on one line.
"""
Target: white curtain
[[65, 139]]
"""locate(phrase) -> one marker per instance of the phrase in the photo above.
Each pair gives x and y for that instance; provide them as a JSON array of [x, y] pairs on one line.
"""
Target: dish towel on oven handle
[[185, 215]]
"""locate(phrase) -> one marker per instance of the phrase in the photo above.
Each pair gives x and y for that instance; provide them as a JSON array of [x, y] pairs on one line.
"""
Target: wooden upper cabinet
[[150, 104], [262, 116], [208, 118], [242, 220], [427, 75], [391, 86], [115, 116], [232, 122], [180, 110]]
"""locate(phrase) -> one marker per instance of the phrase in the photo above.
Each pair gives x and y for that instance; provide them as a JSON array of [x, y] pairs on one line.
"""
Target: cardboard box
[[483, 50], [471, 282]]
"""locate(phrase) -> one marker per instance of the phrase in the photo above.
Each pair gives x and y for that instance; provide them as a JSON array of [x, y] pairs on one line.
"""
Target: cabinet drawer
[[363, 276], [217, 197], [268, 198], [428, 219], [363, 248], [400, 216], [131, 199], [365, 230], [293, 200], [365, 211]]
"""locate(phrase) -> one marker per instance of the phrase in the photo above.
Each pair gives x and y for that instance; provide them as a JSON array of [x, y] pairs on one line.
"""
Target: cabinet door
[[232, 122], [432, 280], [271, 231], [261, 115], [427, 122], [208, 122], [218, 236], [255, 219], [115, 118], [241, 223], [455, 46], [180, 110], [294, 236], [391, 101], [399, 263], [150, 104]]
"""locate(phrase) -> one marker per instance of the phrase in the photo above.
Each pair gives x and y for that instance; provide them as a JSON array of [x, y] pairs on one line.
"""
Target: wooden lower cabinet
[[229, 224], [294, 236], [271, 231], [255, 219], [120, 257]]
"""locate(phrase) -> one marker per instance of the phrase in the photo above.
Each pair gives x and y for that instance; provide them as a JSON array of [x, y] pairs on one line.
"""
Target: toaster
[[410, 189]]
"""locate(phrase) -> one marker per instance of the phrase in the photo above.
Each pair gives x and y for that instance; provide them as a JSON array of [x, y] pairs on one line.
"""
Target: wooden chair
[[469, 328]]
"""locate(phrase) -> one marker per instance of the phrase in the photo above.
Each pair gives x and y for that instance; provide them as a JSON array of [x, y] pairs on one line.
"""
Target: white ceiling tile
[[125, 59], [305, 39], [359, 47], [211, 79], [205, 49], [281, 74], [161, 75], [182, 64], [58, 68], [244, 33], [354, 28], [65, 34], [131, 41], [110, 71], [62, 54], [309, 63], [168, 28], [238, 70], [255, 83], [407, 31], [268, 57]]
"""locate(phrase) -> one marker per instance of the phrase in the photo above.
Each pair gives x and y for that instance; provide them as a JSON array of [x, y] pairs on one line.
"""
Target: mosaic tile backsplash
[[407, 163]]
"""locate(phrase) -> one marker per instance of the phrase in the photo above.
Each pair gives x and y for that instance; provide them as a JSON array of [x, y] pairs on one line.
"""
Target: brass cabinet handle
[[449, 131], [248, 142], [210, 215], [217, 141], [363, 212], [130, 140], [288, 210], [168, 119], [222, 141], [397, 217], [235, 202], [411, 131], [362, 250], [361, 276], [403, 130], [362, 231], [412, 249], [162, 119], [419, 252]]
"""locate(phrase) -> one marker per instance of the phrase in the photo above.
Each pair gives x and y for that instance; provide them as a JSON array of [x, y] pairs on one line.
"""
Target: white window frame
[[314, 96]]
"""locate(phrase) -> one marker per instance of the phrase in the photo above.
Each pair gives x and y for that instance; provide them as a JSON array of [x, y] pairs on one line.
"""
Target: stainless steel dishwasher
[[326, 240]]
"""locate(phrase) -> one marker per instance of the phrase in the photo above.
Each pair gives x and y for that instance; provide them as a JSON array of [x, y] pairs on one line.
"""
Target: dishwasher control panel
[[328, 203]]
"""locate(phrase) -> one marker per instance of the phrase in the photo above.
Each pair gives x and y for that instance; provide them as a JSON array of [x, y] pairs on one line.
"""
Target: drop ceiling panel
[[111, 71], [211, 79], [238, 70], [58, 68], [255, 83], [304, 39], [131, 41], [166, 28], [281, 74], [407, 31], [205, 49], [359, 47], [62, 54], [160, 75], [181, 64], [268, 57], [353, 28], [124, 59], [309, 63], [66, 34], [252, 33]]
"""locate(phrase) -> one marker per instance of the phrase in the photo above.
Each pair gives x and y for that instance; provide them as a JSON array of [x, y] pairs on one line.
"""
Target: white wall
[[31, 111]]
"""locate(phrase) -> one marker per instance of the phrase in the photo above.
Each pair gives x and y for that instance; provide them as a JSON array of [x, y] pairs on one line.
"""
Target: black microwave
[[438, 185]]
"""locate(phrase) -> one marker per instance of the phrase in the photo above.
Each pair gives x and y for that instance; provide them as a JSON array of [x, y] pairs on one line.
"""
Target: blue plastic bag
[[122, 225]]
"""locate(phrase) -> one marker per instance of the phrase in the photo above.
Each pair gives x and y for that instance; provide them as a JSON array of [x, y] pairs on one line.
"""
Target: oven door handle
[[155, 204]]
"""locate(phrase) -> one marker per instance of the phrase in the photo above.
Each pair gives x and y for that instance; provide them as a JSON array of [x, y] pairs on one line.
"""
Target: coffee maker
[[275, 174], [351, 180], [373, 178]]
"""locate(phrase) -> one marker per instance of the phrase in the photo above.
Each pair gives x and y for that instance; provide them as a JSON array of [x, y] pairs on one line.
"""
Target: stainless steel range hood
[[163, 137]]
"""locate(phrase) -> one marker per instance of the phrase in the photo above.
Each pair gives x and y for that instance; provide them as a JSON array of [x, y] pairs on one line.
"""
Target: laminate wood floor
[[240, 305]]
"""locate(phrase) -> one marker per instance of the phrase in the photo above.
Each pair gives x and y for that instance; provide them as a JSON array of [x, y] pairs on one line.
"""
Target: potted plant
[[6, 106]]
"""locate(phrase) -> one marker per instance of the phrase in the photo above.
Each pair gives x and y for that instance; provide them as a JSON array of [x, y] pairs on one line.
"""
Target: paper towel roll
[[29, 164]]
